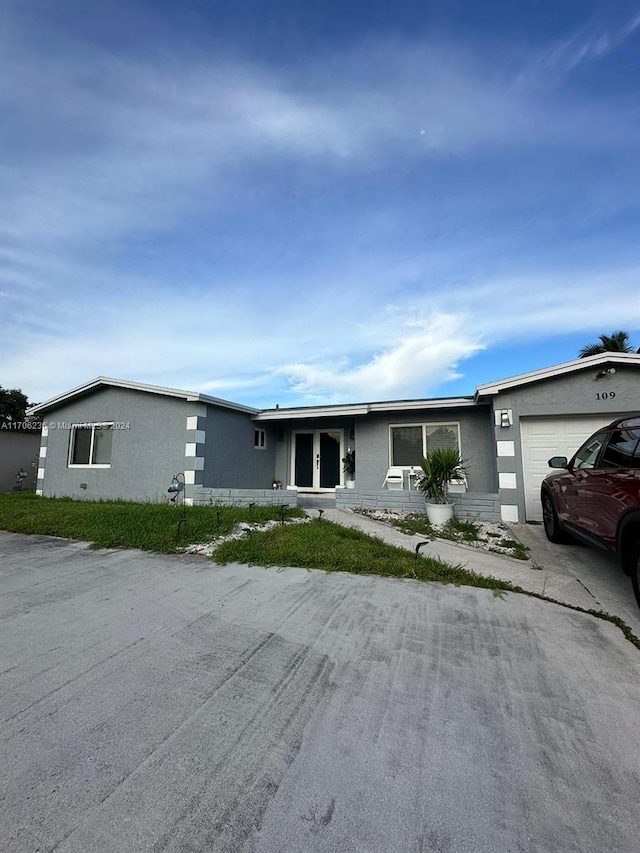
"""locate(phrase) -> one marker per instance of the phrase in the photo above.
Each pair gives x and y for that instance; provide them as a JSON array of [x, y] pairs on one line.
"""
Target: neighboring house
[[18, 453], [112, 438]]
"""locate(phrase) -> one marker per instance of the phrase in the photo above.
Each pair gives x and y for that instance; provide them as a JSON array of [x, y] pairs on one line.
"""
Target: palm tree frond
[[615, 342]]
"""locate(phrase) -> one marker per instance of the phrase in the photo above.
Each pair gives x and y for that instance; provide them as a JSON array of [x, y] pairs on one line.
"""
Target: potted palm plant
[[438, 468], [349, 468]]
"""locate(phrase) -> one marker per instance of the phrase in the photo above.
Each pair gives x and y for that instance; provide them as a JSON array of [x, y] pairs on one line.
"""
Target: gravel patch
[[206, 549], [491, 536]]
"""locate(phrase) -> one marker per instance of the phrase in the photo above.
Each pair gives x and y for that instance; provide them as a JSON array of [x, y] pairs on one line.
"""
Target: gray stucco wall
[[469, 505], [146, 452], [18, 450], [581, 393], [577, 394], [476, 440], [231, 461], [244, 497]]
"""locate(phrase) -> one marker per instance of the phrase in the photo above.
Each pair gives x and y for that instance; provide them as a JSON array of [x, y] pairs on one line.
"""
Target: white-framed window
[[90, 445], [409, 443], [260, 439]]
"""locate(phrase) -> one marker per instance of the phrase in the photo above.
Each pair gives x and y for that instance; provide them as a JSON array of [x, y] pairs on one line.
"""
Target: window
[[619, 452], [409, 444], [259, 439], [588, 454], [90, 445]]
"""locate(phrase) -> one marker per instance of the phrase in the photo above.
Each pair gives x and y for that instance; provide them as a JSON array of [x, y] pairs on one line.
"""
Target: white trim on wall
[[506, 448], [509, 513], [507, 481]]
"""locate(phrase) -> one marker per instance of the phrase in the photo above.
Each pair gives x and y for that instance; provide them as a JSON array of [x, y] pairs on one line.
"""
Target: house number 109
[[606, 395]]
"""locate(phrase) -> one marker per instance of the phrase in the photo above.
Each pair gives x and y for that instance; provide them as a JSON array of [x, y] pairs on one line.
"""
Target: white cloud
[[423, 354], [592, 41], [111, 149], [133, 146], [223, 346], [429, 343]]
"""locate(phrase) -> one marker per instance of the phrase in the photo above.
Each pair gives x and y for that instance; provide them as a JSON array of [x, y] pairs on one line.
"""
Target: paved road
[[155, 703]]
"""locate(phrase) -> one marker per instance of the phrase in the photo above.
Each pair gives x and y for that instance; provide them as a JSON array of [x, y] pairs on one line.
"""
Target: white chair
[[394, 479], [458, 485]]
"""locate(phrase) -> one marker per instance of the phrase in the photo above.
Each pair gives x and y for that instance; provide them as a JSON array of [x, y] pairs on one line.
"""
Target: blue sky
[[301, 203]]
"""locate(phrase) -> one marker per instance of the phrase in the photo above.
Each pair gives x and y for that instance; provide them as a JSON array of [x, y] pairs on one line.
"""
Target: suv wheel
[[634, 565], [550, 519]]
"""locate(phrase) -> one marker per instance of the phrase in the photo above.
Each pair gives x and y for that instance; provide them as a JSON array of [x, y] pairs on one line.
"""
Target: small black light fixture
[[419, 545], [609, 371], [175, 489]]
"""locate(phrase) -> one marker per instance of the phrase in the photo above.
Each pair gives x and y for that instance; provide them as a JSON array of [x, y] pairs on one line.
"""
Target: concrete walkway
[[570, 574]]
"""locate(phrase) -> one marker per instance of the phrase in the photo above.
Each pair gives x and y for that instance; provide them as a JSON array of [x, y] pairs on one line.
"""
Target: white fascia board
[[492, 388], [225, 404], [105, 381], [310, 412], [363, 408], [417, 405]]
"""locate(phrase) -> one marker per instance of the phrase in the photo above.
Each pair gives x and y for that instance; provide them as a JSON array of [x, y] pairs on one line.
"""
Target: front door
[[316, 459]]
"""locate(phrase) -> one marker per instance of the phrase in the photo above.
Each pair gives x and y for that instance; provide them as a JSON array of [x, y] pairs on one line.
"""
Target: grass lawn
[[316, 544], [122, 524], [324, 545]]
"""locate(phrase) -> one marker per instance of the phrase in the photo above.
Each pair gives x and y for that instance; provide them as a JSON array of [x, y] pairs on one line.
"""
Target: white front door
[[316, 460]]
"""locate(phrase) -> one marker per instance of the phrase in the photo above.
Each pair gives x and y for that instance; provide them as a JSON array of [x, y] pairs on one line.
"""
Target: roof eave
[[107, 382], [490, 389], [348, 410]]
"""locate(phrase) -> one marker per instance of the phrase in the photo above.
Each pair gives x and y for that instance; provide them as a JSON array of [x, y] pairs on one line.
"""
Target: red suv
[[596, 495]]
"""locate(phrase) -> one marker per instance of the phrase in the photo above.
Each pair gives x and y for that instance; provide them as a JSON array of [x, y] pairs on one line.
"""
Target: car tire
[[634, 565], [550, 519]]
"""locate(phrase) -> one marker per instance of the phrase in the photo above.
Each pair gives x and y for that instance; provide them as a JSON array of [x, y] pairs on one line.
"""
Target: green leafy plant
[[438, 468], [464, 528], [349, 463]]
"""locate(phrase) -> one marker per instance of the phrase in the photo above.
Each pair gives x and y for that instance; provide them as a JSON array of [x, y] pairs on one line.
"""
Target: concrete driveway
[[154, 703], [572, 574], [580, 575]]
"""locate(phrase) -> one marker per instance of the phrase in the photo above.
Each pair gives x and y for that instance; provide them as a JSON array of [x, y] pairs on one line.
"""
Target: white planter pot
[[439, 514], [350, 484]]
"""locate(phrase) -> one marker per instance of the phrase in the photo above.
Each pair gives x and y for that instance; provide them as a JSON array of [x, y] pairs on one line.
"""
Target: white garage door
[[543, 438]]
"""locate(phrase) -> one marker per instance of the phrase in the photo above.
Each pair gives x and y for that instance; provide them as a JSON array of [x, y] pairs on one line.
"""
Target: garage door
[[545, 437]]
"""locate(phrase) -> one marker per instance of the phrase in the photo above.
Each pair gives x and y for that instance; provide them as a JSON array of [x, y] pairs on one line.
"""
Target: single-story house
[[112, 438]]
